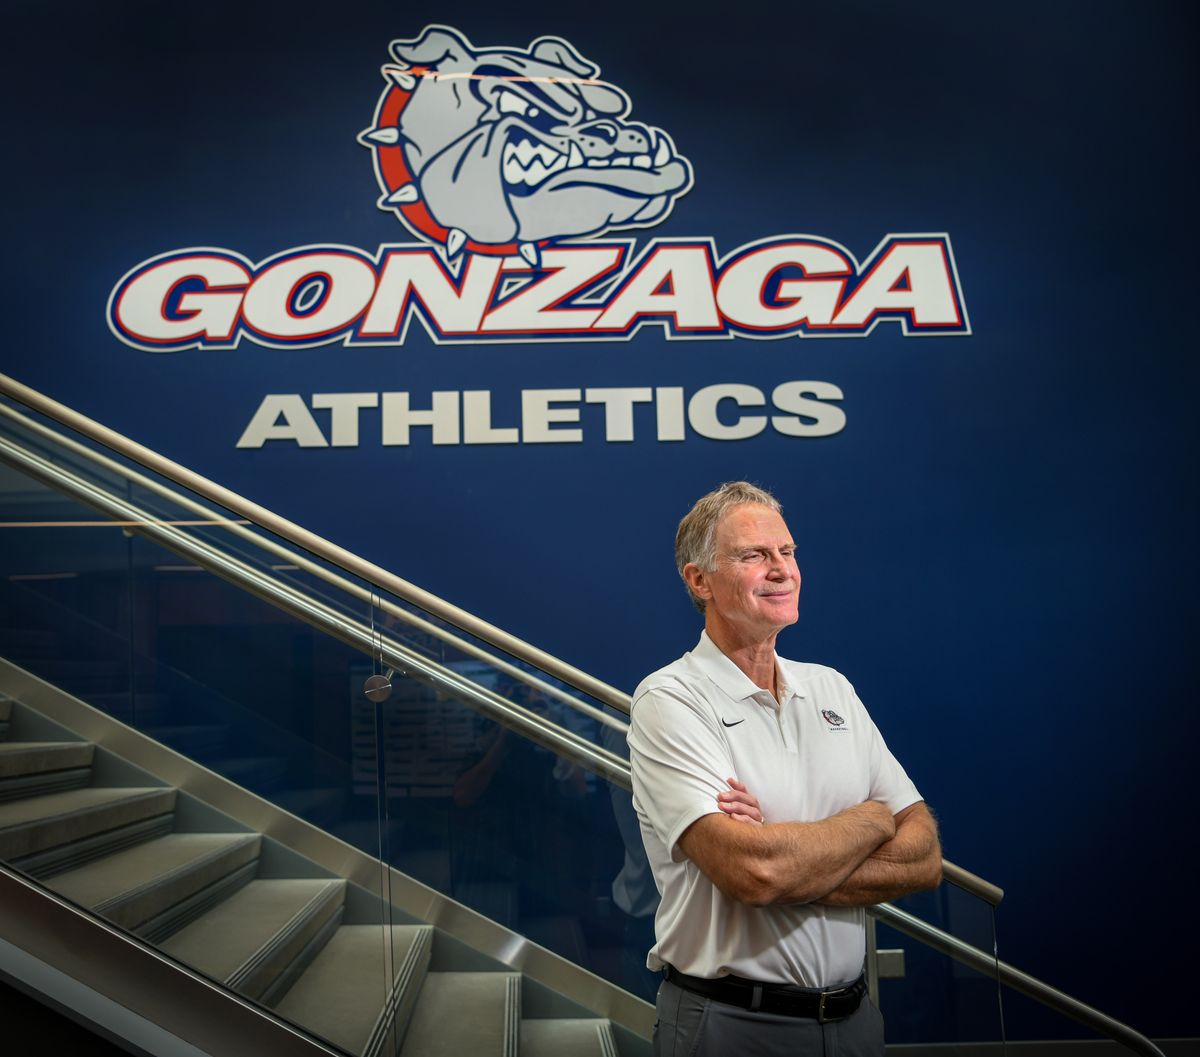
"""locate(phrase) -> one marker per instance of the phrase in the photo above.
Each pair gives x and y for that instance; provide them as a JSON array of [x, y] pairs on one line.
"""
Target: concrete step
[[567, 1038], [460, 1013], [137, 886], [342, 996], [19, 759], [76, 853], [38, 823], [252, 939], [5, 714], [40, 784]]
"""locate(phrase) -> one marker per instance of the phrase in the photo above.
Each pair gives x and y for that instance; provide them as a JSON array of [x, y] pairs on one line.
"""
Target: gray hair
[[695, 540]]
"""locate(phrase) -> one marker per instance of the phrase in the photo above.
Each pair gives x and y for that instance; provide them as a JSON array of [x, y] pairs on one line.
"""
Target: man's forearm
[[910, 862], [787, 862]]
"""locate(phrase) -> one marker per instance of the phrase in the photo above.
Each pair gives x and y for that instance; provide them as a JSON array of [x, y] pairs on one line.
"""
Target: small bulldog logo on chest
[[506, 150], [832, 718]]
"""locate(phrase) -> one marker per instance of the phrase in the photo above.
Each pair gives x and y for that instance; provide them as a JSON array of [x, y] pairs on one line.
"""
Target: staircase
[[259, 918]]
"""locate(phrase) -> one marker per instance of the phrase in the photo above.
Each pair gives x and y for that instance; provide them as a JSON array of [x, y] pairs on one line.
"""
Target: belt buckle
[[821, 1018]]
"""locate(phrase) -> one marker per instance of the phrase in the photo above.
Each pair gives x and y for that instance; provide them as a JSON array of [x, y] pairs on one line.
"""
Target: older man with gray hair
[[771, 810]]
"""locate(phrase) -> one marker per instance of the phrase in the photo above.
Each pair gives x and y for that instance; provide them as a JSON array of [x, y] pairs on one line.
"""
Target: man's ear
[[697, 580]]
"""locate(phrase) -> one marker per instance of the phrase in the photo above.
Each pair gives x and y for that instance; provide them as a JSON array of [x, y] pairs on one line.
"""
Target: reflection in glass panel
[[511, 828]]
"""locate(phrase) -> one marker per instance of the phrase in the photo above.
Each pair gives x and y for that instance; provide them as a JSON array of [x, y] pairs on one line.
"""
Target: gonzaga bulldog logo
[[522, 174], [503, 150]]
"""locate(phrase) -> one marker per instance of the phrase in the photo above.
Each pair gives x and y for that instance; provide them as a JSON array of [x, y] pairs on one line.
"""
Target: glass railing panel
[[162, 499], [64, 576], [244, 688], [402, 621], [195, 645], [150, 636], [515, 831], [927, 997], [232, 683]]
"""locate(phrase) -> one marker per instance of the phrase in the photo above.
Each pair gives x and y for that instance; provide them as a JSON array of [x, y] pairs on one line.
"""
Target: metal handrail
[[314, 568], [371, 573], [314, 544], [990, 965], [972, 883], [326, 618], [525, 722]]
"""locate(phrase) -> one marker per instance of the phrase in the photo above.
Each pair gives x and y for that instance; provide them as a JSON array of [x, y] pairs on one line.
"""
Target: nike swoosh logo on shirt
[[734, 723]]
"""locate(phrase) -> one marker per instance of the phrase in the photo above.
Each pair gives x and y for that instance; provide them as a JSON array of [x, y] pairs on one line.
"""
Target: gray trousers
[[690, 1025]]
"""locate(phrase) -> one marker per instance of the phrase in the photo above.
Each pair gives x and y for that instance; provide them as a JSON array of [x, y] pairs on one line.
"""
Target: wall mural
[[490, 296]]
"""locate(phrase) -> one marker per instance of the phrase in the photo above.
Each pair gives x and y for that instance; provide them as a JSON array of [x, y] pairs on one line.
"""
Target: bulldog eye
[[511, 103]]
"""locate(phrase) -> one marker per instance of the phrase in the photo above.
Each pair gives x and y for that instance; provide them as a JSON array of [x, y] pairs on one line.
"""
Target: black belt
[[822, 1006]]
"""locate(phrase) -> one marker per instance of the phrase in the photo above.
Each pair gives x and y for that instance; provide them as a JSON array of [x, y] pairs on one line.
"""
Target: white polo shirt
[[701, 720]]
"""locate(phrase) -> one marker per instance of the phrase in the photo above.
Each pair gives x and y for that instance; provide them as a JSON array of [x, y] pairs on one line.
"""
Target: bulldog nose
[[601, 139], [604, 131], [632, 141]]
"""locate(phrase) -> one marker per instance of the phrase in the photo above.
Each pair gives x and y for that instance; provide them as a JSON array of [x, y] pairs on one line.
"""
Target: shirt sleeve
[[679, 760]]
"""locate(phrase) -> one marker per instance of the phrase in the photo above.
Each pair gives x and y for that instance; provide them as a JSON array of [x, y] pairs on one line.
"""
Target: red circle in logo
[[394, 170]]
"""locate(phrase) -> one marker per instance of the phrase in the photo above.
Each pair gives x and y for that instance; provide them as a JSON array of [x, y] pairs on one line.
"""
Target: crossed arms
[[859, 856]]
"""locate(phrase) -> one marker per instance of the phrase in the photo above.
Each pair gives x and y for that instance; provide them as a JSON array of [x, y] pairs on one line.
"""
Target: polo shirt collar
[[731, 680]]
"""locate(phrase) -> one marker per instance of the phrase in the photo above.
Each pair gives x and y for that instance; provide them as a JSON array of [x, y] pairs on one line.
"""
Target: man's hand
[[784, 862], [910, 862], [740, 804]]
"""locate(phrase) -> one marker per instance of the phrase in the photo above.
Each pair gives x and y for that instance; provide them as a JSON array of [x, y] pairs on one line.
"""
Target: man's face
[[755, 586]]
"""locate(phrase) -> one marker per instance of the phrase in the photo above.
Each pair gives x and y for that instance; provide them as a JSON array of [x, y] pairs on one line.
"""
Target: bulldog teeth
[[406, 195], [401, 78], [455, 240], [551, 158], [383, 136], [530, 163], [531, 253], [514, 172]]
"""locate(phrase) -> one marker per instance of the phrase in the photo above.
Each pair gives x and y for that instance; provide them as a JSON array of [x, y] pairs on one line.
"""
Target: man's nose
[[780, 566]]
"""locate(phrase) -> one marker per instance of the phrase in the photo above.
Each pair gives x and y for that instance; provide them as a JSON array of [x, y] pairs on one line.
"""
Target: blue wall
[[998, 547]]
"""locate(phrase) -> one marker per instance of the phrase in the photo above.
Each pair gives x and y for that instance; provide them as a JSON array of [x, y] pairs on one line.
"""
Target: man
[[771, 810]]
